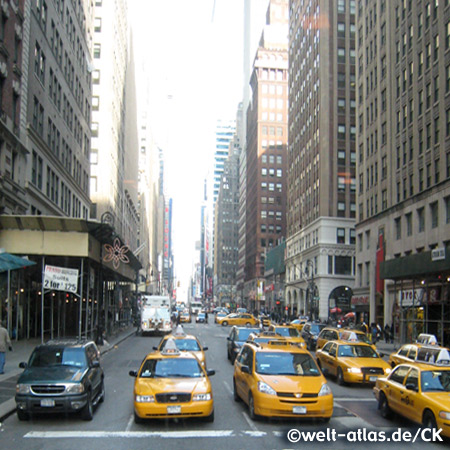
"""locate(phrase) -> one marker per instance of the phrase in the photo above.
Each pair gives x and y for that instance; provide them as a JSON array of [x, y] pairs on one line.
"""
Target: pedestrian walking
[[5, 342], [392, 333], [387, 332]]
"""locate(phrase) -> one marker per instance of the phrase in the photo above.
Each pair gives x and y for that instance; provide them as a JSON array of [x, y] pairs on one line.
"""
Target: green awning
[[12, 262]]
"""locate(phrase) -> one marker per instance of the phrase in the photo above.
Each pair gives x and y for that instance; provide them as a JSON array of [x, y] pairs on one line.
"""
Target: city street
[[113, 424]]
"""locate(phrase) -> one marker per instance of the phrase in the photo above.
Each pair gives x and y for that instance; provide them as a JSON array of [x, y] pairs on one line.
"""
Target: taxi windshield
[[288, 332], [171, 368], [189, 345], [357, 351], [436, 381], [284, 363]]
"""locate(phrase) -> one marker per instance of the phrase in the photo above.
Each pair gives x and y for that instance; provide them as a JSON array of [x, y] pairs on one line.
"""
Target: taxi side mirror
[[210, 373], [205, 348], [155, 348], [132, 373], [245, 369], [228, 338], [411, 387], [382, 355], [23, 365]]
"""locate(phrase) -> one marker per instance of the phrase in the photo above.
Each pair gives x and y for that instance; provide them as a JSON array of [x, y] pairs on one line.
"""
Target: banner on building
[[61, 279]]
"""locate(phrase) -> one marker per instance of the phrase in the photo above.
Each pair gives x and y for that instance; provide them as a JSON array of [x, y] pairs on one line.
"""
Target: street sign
[[61, 279]]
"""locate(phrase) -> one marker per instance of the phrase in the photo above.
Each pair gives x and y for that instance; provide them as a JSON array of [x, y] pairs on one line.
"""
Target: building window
[[398, 228], [447, 209], [421, 220], [340, 235], [408, 224], [434, 213], [353, 236], [343, 265]]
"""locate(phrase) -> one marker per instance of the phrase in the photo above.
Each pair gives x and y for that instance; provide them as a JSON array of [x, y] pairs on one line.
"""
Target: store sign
[[61, 279], [438, 254], [361, 300], [411, 297]]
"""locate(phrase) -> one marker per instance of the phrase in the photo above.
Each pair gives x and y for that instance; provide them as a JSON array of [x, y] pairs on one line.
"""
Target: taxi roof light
[[170, 348], [429, 339], [351, 337], [179, 331]]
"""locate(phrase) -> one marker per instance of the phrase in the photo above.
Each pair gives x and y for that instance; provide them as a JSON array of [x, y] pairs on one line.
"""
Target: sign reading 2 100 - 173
[[61, 279]]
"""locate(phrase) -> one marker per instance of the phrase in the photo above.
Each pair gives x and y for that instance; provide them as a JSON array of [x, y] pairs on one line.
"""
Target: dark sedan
[[236, 339], [310, 333]]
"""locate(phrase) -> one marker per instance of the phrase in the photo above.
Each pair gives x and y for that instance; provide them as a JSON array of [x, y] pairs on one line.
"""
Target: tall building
[[114, 152], [403, 121], [13, 153], [266, 150], [226, 227], [225, 130], [320, 249], [55, 106]]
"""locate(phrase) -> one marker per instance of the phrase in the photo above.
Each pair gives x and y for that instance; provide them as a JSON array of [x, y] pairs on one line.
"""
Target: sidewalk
[[21, 352]]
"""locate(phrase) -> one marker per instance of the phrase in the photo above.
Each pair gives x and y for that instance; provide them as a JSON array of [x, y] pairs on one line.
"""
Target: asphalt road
[[113, 426]]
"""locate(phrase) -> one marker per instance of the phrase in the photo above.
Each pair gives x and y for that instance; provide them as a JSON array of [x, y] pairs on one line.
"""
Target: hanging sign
[[61, 279]]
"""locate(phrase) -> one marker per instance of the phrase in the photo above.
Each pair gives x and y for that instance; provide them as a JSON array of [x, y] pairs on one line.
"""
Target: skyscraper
[[321, 157]]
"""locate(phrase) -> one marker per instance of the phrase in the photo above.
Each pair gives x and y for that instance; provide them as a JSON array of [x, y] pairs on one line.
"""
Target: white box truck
[[155, 313]]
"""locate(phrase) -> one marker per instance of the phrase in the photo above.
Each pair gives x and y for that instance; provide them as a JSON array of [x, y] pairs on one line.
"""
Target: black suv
[[236, 339], [61, 376]]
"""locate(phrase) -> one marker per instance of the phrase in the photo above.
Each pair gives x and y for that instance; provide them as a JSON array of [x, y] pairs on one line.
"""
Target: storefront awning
[[12, 262]]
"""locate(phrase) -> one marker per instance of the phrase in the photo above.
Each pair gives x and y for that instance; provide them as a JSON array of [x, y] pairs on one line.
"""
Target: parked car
[[310, 333], [61, 377]]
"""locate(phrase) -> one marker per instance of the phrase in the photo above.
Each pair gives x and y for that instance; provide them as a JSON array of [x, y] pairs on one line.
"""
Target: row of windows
[[278, 187], [271, 172], [278, 215], [404, 224]]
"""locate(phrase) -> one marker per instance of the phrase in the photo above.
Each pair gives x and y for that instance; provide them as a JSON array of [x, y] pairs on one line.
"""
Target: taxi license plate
[[47, 403], [299, 409], [174, 409], [373, 378]]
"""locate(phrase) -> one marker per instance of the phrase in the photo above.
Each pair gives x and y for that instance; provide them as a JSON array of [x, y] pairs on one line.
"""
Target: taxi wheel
[[224, 323], [340, 377], [235, 394], [383, 406], [251, 407], [429, 421]]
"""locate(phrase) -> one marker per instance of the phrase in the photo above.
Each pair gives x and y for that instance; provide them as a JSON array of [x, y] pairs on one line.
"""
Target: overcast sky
[[191, 55]]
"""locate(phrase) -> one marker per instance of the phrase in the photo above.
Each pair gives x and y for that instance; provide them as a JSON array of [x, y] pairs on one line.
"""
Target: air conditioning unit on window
[[3, 70], [16, 87], [18, 30], [5, 8]]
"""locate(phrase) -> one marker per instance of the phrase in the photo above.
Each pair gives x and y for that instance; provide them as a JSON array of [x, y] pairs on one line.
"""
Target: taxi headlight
[[75, 388], [202, 397], [354, 370], [265, 388], [388, 370], [325, 390], [144, 399], [444, 415], [23, 388]]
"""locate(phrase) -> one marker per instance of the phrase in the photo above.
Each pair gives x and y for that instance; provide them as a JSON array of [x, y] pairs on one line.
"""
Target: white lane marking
[[228, 388], [129, 434], [255, 433], [130, 423], [250, 422]]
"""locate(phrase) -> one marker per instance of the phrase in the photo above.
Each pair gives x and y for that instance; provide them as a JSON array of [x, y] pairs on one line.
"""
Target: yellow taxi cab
[[419, 392], [422, 351], [327, 334], [172, 384], [298, 323], [280, 379], [242, 319], [288, 332], [184, 343], [351, 362], [185, 317]]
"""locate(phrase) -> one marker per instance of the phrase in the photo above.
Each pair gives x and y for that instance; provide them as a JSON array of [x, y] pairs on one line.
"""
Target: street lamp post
[[312, 292]]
